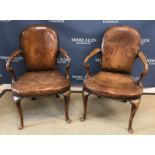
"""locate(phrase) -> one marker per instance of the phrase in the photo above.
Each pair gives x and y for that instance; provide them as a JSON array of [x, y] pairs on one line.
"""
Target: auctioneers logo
[[145, 41], [151, 61], [61, 60], [56, 21], [83, 41], [110, 21], [136, 78], [17, 59], [78, 77]]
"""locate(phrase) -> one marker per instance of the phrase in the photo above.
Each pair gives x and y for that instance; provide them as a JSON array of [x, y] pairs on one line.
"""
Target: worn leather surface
[[119, 48], [38, 83], [40, 47], [113, 84]]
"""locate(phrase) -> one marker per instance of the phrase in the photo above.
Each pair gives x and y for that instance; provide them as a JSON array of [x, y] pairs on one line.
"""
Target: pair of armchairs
[[40, 48]]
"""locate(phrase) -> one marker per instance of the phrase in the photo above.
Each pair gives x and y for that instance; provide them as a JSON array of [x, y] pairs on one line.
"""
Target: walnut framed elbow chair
[[40, 49], [119, 49]]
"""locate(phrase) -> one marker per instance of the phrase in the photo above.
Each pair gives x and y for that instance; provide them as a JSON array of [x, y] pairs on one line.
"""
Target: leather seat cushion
[[114, 85], [41, 83]]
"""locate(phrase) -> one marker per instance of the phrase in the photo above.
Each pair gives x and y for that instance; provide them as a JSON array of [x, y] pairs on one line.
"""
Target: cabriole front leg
[[67, 100], [85, 95], [134, 108], [17, 101]]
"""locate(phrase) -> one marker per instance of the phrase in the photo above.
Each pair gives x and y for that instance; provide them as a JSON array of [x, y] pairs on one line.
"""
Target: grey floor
[[45, 115]]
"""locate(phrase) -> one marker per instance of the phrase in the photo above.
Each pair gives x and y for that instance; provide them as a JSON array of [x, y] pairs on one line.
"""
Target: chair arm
[[69, 62], [87, 66], [143, 59], [9, 62]]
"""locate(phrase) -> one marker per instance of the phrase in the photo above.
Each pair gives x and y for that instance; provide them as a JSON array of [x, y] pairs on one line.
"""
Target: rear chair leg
[[33, 98], [85, 95], [17, 101], [57, 95], [67, 100], [134, 108]]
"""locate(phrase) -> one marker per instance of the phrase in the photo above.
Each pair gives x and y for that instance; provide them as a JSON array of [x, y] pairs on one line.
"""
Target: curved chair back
[[120, 46], [40, 47]]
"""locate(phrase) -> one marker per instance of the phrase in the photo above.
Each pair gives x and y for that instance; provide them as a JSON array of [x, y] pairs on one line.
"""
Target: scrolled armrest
[[63, 51], [9, 62], [87, 66], [146, 68]]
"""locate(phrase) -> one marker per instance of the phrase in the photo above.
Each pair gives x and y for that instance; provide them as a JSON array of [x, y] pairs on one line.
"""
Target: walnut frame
[[134, 102], [17, 98]]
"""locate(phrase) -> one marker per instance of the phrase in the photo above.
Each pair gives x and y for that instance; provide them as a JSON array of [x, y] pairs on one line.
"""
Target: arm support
[[9, 62], [69, 62], [143, 59], [87, 66]]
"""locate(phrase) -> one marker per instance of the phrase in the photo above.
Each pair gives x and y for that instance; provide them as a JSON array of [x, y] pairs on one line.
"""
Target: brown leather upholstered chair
[[40, 49], [120, 47]]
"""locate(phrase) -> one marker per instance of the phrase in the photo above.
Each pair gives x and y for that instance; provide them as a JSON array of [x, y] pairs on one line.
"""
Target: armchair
[[40, 49], [119, 50]]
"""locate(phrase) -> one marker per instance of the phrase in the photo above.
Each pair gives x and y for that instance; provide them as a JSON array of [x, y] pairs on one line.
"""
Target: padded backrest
[[120, 46], [40, 47]]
